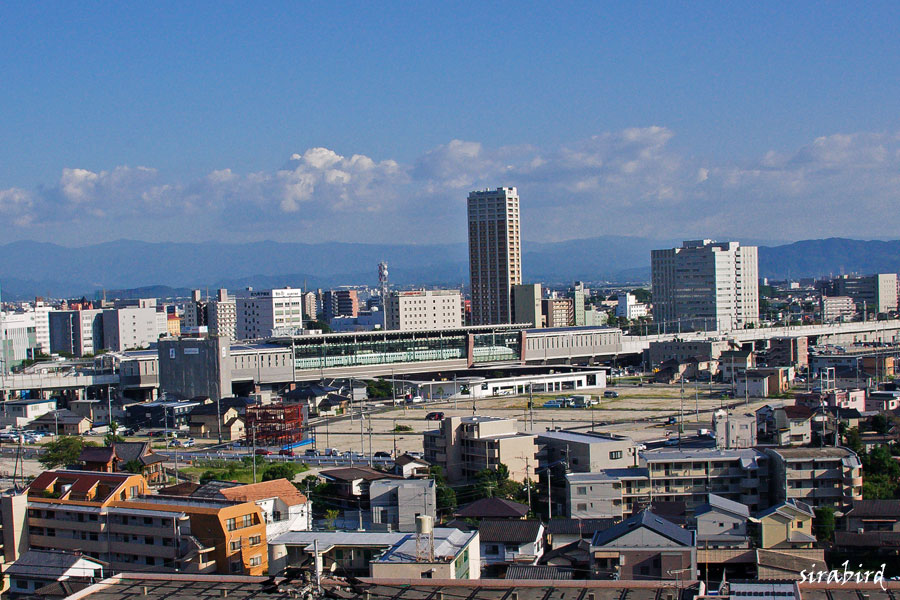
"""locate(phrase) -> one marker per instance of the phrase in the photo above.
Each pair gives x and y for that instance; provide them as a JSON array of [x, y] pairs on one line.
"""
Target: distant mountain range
[[132, 268]]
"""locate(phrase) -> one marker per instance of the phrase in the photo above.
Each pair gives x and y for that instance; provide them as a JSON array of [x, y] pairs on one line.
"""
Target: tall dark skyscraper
[[495, 255]]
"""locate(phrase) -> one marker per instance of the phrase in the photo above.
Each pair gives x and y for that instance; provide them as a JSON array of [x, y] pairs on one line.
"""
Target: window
[[615, 455], [255, 561], [255, 540], [235, 545], [248, 521], [230, 524]]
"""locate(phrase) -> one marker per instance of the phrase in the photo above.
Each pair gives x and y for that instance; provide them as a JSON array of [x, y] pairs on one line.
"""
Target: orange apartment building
[[113, 517]]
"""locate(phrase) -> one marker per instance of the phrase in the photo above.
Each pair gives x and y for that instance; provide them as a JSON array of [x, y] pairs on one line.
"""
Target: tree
[[319, 324], [642, 295], [62, 452], [331, 516], [280, 471], [824, 523], [851, 438], [135, 466], [379, 389], [112, 437], [880, 424]]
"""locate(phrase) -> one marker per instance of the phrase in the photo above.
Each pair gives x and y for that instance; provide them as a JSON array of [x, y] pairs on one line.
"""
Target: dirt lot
[[626, 414]]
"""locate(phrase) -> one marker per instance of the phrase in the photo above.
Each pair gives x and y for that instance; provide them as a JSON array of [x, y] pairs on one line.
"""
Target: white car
[[417, 399]]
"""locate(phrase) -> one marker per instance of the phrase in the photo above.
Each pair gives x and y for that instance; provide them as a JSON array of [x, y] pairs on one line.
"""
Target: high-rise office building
[[527, 304], [705, 285], [423, 309], [495, 263], [268, 312]]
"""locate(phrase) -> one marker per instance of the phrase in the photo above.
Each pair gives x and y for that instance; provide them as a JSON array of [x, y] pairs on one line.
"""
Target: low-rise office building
[[423, 309]]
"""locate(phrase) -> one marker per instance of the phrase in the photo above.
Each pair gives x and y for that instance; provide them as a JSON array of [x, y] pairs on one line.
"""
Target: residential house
[[784, 565], [562, 532], [60, 422], [492, 508], [793, 425], [36, 568], [644, 546], [574, 556], [396, 504], [722, 523], [734, 430], [786, 526], [407, 466], [449, 554], [865, 516], [206, 422], [510, 541], [283, 507], [19, 413], [131, 457], [455, 554]]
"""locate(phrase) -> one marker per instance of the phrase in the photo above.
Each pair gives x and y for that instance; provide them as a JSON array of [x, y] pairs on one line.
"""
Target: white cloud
[[626, 182]]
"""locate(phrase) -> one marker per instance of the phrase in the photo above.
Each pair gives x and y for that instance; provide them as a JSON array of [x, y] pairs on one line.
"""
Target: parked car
[[263, 452], [382, 454], [434, 416], [671, 442], [417, 399], [284, 452], [553, 404], [610, 394], [332, 452], [671, 420], [311, 452]]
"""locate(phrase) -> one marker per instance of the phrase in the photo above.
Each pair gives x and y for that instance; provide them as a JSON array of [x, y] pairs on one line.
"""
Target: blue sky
[[178, 121]]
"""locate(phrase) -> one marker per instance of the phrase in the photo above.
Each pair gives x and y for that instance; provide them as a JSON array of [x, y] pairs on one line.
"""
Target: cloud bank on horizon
[[628, 182]]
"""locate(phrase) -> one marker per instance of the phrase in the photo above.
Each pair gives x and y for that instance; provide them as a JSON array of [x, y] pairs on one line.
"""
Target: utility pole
[[253, 456], [528, 481], [549, 497], [371, 455], [362, 435], [681, 414]]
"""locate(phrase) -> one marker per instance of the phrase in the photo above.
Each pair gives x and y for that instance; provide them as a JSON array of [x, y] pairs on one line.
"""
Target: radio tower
[[383, 282]]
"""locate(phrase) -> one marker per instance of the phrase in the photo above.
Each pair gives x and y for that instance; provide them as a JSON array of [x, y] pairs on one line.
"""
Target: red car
[[263, 452], [286, 453]]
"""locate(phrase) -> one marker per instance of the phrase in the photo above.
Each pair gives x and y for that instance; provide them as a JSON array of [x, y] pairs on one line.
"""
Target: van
[[553, 404]]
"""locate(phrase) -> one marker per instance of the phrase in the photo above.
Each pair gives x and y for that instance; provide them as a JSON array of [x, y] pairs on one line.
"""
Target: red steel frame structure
[[276, 424]]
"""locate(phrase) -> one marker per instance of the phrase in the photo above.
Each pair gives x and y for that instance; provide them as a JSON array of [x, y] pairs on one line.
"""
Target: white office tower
[[269, 312], [495, 263], [705, 285], [423, 309]]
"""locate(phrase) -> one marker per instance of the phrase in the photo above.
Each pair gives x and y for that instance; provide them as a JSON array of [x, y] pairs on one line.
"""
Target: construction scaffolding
[[276, 424]]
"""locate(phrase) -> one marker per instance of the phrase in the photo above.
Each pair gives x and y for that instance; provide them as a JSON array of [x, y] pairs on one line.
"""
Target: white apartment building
[[264, 311], [495, 262], [76, 332], [221, 315], [705, 285], [125, 328], [837, 308], [424, 309], [629, 308], [18, 340]]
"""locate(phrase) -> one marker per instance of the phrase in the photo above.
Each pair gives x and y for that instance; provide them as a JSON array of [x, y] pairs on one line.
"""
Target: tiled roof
[[95, 454], [509, 530], [406, 459], [649, 520], [868, 540], [51, 563], [277, 488], [585, 527], [493, 507], [797, 411], [875, 508], [785, 561], [354, 473], [185, 488], [545, 572]]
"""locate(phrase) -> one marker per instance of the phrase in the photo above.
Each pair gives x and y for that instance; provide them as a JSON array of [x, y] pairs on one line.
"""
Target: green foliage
[[880, 424], [285, 470], [852, 440], [824, 523], [319, 324], [133, 466], [642, 295], [881, 475], [331, 516], [402, 428], [379, 389], [112, 437], [62, 452], [446, 496]]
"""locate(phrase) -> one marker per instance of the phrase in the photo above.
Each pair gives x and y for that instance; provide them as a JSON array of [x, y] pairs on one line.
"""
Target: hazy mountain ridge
[[40, 268]]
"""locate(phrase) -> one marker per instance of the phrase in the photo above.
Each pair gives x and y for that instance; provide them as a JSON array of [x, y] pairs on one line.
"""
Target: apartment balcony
[[144, 549], [795, 474], [749, 484], [141, 530], [90, 526], [853, 481], [828, 492], [821, 474], [67, 543], [749, 499]]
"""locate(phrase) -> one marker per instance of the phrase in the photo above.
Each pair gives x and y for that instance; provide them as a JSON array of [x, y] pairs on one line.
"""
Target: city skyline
[[323, 123]]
